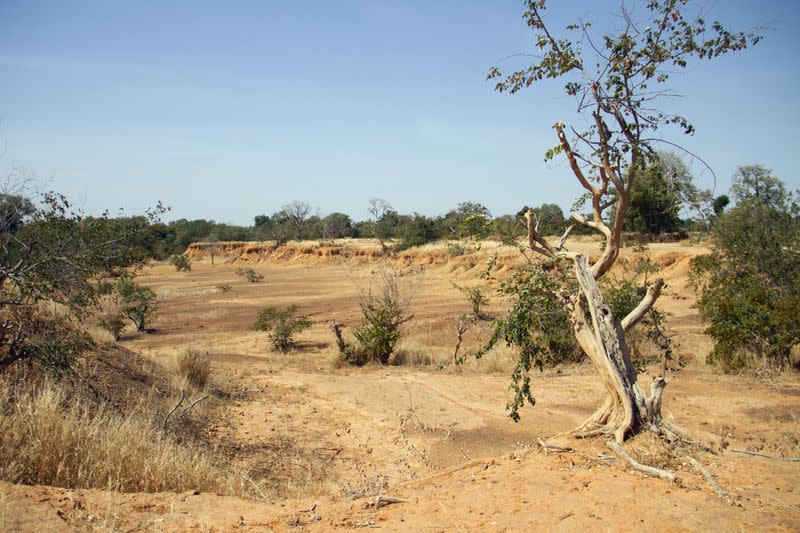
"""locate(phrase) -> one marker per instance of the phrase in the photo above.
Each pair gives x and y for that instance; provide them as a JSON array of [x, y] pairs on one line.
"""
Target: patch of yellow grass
[[190, 368], [46, 440]]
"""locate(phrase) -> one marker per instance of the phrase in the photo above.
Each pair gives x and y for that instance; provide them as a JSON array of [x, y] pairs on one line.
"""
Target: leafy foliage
[[660, 192], [281, 325], [749, 285], [537, 325]]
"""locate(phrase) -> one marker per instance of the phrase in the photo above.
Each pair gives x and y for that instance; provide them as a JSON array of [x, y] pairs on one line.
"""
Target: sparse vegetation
[[456, 249], [250, 275], [181, 262], [281, 325], [476, 298], [224, 288]]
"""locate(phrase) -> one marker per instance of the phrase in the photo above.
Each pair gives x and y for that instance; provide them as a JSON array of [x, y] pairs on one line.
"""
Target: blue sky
[[229, 110]]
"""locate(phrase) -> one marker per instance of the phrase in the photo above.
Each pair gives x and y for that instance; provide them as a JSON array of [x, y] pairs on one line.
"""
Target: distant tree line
[[662, 195]]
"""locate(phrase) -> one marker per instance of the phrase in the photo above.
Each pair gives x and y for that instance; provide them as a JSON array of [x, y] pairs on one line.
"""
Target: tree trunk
[[626, 408]]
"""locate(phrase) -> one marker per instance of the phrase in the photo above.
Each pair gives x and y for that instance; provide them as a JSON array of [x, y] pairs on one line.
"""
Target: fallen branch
[[545, 446], [663, 474], [710, 479], [382, 500], [767, 456]]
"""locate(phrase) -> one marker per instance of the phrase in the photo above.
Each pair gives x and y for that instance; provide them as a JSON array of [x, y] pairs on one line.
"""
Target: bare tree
[[611, 78], [296, 215], [381, 211]]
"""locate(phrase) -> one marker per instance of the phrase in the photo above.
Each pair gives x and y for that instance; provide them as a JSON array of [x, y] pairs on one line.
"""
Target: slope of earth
[[433, 435]]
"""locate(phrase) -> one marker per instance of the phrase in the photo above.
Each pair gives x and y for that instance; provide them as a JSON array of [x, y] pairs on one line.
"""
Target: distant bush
[[456, 249], [409, 242], [192, 367], [181, 262], [475, 297], [250, 275], [224, 288], [114, 323], [138, 302], [281, 325]]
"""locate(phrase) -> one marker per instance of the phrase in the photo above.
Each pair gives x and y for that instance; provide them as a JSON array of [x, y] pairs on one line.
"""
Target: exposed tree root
[[767, 456], [620, 451], [710, 479]]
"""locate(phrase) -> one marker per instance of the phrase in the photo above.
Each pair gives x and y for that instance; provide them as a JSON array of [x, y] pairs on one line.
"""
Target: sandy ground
[[435, 436]]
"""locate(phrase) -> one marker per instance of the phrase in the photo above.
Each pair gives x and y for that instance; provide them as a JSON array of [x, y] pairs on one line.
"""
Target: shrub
[[224, 288], [475, 297], [281, 325], [383, 312], [191, 367], [138, 302], [409, 242], [250, 275], [114, 323], [456, 249], [749, 285], [181, 262]]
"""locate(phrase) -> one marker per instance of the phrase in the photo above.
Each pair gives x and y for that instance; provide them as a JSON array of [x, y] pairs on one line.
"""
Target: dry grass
[[45, 440], [190, 369]]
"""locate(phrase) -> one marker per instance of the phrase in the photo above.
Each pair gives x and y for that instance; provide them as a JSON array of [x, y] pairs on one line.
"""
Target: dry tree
[[617, 80]]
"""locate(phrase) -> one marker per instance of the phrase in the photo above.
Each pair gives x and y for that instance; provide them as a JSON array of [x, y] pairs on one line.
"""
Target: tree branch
[[650, 297]]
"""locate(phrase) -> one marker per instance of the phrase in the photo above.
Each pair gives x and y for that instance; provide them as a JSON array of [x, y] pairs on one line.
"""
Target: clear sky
[[226, 110]]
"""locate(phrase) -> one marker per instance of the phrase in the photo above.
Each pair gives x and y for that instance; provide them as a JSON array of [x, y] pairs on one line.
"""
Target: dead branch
[[191, 407], [383, 499], [620, 451], [767, 456], [564, 237], [460, 330], [545, 446], [337, 331], [710, 479], [175, 408]]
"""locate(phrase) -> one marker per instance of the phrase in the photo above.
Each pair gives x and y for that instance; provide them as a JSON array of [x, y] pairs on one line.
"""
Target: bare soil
[[434, 435]]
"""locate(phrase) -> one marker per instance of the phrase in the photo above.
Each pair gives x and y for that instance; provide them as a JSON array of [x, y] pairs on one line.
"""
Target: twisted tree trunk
[[627, 408]]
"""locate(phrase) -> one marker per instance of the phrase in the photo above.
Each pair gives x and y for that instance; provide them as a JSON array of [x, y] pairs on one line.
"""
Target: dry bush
[[47, 440], [190, 369]]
